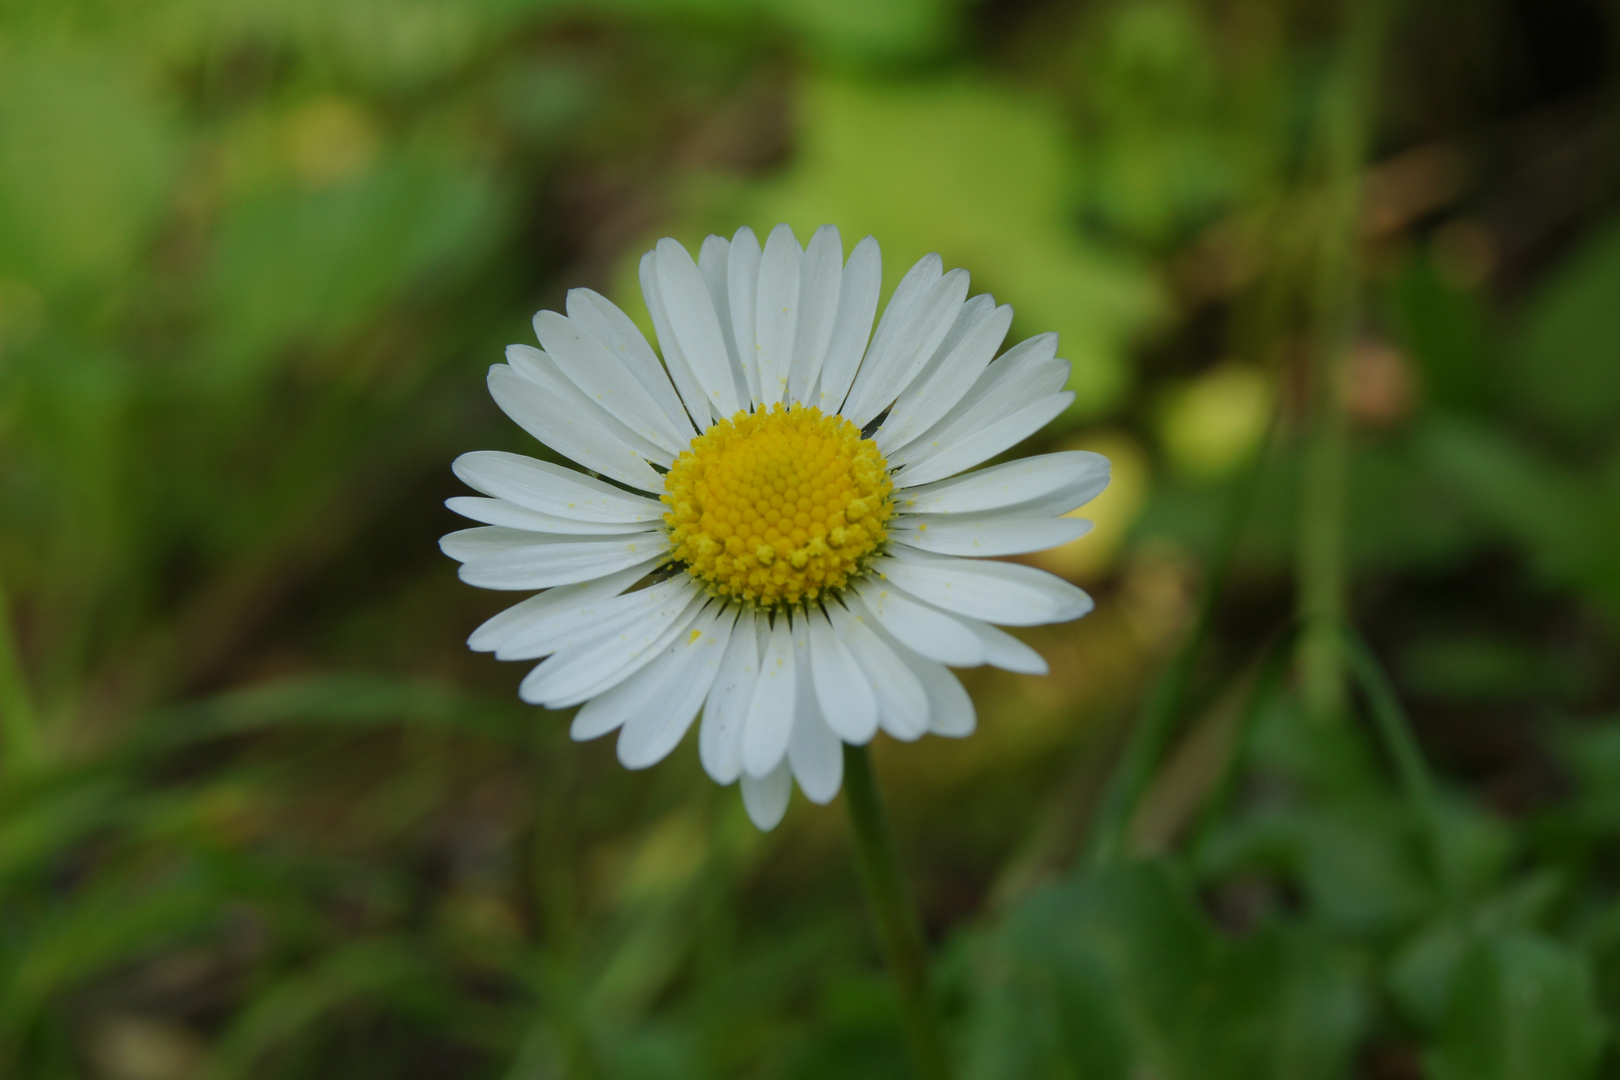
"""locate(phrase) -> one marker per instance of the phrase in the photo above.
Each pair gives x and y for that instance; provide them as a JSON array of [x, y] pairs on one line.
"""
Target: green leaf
[[1521, 1008], [1120, 975], [1358, 866], [1565, 520], [85, 156], [1447, 332], [311, 266], [983, 176], [860, 30], [340, 701], [1420, 975], [119, 920], [381, 971], [1568, 373]]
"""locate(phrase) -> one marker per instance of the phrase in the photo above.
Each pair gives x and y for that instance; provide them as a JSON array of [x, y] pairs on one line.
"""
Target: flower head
[[779, 533]]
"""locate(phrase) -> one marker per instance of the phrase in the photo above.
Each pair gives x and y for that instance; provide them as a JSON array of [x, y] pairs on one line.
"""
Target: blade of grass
[[1152, 731], [19, 723], [1343, 128], [1395, 731]]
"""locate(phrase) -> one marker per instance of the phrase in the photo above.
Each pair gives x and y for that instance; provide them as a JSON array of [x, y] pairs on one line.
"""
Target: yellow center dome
[[775, 507]]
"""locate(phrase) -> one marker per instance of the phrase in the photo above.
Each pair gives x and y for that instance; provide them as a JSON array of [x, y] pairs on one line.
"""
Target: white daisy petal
[[1025, 373], [576, 613], [847, 702], [572, 425], [522, 616], [540, 367], [815, 753], [894, 360], [510, 514], [770, 708], [603, 320], [713, 259], [580, 672], [902, 701], [852, 326], [766, 798], [487, 541], [821, 271], [653, 708], [605, 712], [688, 670], [1004, 651], [950, 709], [986, 535], [581, 618], [949, 455], [996, 592], [692, 317], [726, 711], [921, 628], [908, 300], [539, 561], [1027, 484], [687, 384], [742, 287], [599, 373], [714, 262], [958, 363], [552, 489], [776, 312]]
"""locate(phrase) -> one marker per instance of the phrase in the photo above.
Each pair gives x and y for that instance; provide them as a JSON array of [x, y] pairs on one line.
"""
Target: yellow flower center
[[774, 507]]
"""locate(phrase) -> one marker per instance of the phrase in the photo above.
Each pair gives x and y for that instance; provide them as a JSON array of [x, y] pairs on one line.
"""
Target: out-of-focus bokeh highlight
[[262, 815]]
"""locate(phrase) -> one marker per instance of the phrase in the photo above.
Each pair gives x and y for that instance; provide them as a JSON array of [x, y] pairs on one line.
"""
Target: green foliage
[[1520, 1006], [261, 815], [1120, 973], [1566, 371], [86, 159]]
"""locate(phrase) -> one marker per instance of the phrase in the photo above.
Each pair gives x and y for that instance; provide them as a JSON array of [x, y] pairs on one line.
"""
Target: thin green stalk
[[19, 724], [1157, 722], [1269, 671], [1395, 731], [894, 915], [1344, 128]]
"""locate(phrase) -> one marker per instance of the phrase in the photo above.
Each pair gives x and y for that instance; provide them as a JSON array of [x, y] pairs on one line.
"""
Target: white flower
[[796, 582]]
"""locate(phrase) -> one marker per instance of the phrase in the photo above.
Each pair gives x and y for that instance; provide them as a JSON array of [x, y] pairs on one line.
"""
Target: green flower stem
[[19, 725], [1395, 731], [894, 915], [1344, 127]]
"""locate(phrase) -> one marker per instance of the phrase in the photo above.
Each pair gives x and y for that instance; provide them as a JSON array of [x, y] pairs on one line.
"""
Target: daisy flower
[[776, 529]]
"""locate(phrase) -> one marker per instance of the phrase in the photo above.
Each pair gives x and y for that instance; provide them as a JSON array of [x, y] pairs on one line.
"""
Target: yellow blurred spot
[[126, 1046], [1211, 425], [328, 141], [1114, 511], [668, 857]]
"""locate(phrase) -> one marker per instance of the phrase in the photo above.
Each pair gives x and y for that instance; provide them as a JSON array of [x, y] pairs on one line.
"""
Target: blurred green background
[[262, 814]]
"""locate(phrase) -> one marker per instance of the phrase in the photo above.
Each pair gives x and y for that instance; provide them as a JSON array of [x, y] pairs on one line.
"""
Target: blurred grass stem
[[1344, 126], [19, 724], [1152, 731], [1395, 731], [894, 914]]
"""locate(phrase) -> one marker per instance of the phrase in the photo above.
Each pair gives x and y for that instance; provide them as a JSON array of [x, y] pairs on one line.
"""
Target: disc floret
[[777, 507]]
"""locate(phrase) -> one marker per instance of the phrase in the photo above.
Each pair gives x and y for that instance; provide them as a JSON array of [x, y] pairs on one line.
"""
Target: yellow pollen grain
[[777, 507]]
